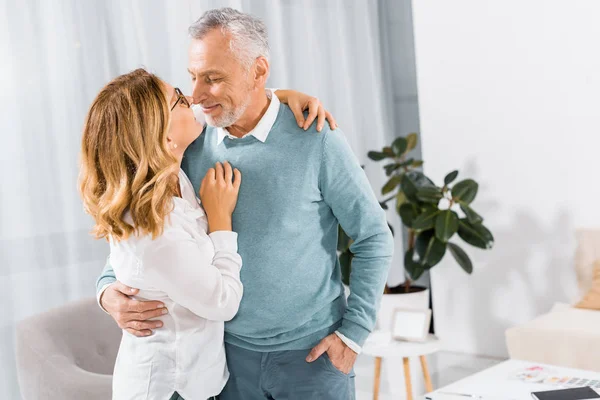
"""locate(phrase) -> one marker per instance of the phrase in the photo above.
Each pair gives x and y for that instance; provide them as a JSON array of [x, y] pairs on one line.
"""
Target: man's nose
[[199, 93]]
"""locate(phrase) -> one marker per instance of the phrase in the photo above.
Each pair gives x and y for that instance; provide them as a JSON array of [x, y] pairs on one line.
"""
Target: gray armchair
[[67, 353]]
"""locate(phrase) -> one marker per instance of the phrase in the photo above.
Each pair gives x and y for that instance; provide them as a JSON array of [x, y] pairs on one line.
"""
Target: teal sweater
[[296, 188]]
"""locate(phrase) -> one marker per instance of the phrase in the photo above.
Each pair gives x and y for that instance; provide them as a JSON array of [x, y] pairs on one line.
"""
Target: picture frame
[[410, 324]]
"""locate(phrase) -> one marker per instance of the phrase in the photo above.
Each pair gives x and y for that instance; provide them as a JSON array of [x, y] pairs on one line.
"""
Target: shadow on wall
[[528, 270]]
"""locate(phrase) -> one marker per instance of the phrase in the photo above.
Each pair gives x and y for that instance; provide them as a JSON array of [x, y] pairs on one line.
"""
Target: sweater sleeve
[[107, 276], [347, 191]]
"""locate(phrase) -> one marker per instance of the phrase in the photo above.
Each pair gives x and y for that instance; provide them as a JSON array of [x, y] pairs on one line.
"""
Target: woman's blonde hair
[[125, 161]]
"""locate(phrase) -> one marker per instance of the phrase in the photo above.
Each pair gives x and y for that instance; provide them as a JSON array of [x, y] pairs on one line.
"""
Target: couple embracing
[[222, 212]]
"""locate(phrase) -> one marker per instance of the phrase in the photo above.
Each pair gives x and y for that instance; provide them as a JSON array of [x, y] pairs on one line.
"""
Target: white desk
[[499, 383]]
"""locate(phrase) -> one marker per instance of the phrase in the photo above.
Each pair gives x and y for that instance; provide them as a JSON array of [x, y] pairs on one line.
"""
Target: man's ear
[[261, 71]]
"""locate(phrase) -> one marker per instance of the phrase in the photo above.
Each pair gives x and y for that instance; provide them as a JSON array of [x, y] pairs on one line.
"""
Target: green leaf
[[435, 252], [450, 177], [346, 266], [400, 199], [475, 234], [461, 257], [408, 212], [390, 168], [409, 188], [420, 179], [430, 249], [421, 242], [411, 141], [417, 163], [446, 225], [465, 191], [430, 194], [407, 162], [417, 273], [471, 215], [426, 220], [399, 146], [409, 260], [376, 155], [388, 151], [412, 266], [391, 184]]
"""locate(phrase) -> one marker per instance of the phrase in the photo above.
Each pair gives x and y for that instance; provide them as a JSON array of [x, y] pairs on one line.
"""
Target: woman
[[162, 241]]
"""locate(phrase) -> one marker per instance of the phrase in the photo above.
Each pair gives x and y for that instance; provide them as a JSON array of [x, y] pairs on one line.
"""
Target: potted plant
[[433, 216]]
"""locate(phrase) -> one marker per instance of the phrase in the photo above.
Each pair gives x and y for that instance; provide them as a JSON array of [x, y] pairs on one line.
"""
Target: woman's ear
[[171, 144]]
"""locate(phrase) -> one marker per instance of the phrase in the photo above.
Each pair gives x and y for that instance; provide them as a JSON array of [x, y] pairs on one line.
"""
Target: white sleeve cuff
[[99, 296], [224, 241], [353, 346]]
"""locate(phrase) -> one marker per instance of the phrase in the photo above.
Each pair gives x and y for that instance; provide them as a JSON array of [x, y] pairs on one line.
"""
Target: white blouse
[[197, 276]]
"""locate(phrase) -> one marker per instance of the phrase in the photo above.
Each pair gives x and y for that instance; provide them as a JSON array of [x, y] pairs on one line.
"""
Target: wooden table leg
[[428, 385], [377, 378], [407, 381]]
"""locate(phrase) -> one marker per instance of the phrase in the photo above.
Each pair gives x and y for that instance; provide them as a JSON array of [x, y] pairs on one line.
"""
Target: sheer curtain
[[56, 55]]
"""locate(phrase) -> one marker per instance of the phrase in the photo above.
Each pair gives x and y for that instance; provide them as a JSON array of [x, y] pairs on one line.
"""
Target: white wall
[[509, 94]]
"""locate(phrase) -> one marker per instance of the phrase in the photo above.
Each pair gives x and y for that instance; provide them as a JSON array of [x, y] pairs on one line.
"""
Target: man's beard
[[229, 117]]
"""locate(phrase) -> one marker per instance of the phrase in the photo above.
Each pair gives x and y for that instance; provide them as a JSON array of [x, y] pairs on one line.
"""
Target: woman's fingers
[[320, 118], [298, 113], [228, 173], [313, 109], [219, 172], [211, 174], [208, 178], [332, 121], [238, 178]]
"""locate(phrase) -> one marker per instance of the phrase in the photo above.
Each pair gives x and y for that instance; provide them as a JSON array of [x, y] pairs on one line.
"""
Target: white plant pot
[[389, 302]]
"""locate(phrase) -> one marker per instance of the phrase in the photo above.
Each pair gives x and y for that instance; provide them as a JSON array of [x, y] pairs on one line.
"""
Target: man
[[297, 187]]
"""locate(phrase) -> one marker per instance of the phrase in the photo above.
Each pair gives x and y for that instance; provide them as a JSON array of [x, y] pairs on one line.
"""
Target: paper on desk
[[460, 396]]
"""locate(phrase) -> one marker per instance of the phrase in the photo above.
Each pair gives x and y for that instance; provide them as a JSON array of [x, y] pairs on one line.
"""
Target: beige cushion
[[567, 337], [588, 251], [592, 298]]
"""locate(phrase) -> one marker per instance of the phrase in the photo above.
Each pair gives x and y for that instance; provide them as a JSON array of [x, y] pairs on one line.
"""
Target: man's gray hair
[[249, 34]]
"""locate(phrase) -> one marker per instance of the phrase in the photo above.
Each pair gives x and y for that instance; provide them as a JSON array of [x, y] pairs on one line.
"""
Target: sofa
[[566, 336], [67, 353]]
